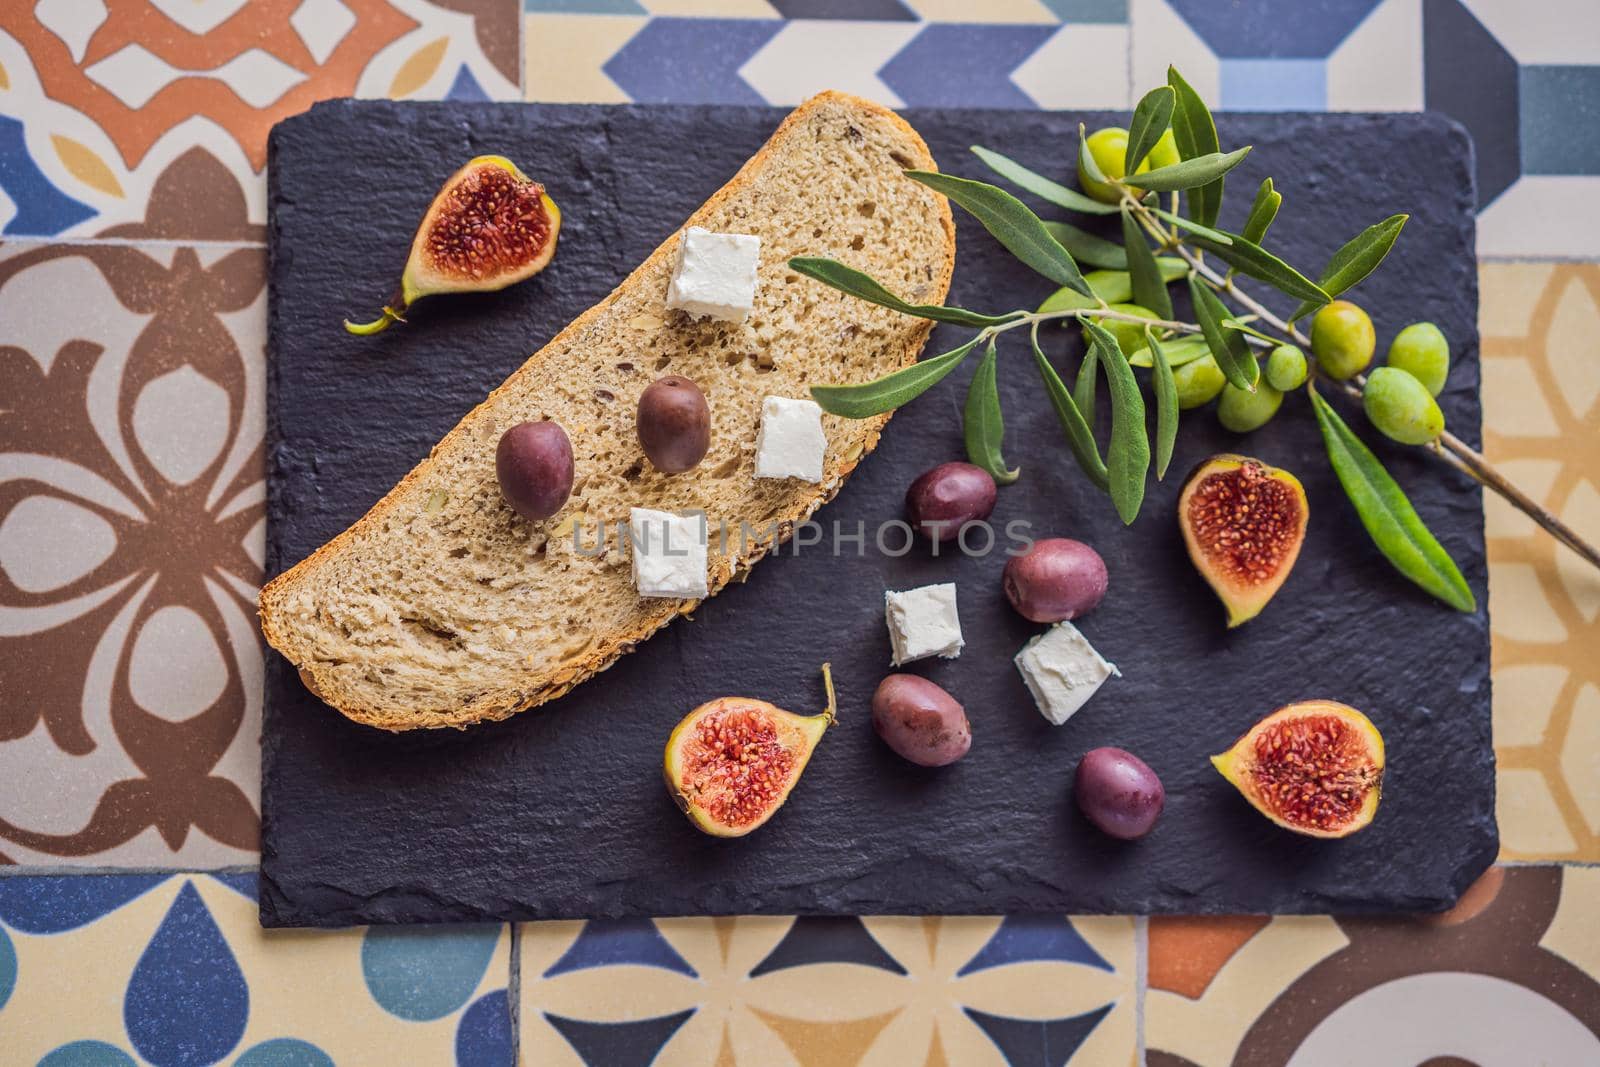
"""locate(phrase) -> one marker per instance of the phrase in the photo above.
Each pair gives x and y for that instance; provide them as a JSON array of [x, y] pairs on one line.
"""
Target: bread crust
[[277, 624]]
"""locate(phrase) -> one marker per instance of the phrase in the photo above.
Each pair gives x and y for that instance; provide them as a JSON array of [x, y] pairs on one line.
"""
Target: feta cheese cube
[[923, 622], [790, 443], [716, 275], [669, 553], [1062, 671]]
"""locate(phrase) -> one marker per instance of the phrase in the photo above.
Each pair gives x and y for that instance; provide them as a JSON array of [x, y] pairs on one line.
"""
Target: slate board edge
[[280, 909]]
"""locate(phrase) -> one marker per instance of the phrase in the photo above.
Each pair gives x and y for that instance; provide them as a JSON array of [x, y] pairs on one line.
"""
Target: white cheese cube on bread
[[1062, 671], [923, 622], [790, 443], [669, 553], [715, 276]]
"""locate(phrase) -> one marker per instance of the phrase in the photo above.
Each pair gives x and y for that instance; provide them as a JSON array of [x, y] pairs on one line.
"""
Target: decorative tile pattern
[[937, 991], [182, 973]]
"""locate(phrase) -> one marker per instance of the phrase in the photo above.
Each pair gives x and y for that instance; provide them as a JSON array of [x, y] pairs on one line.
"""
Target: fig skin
[[788, 739], [426, 275], [1118, 792], [1055, 580], [920, 720], [1229, 496], [1324, 757]]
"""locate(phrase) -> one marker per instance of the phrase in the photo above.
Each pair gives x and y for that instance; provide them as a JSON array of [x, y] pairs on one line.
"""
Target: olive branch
[[1161, 246]]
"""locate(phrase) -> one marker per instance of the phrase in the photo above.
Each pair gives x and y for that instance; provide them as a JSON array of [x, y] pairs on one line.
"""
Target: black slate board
[[560, 813]]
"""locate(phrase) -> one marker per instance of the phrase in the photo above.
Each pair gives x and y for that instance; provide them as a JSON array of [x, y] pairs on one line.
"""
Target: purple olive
[[674, 424], [1055, 579], [920, 721], [1118, 792], [534, 464], [948, 497]]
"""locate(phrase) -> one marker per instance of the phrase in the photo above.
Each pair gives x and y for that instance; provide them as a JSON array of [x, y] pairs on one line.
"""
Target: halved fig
[[489, 227], [732, 762], [1315, 767], [1244, 523]]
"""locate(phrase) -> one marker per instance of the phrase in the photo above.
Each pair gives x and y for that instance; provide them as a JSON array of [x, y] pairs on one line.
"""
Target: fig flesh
[[732, 762], [1243, 523], [490, 226], [1315, 767]]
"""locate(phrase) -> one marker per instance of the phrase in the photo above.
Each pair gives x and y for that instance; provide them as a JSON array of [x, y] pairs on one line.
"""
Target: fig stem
[[832, 711], [377, 325]]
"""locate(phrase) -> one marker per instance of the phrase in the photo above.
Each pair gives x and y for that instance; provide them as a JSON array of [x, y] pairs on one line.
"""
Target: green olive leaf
[[1247, 257], [1083, 388], [1243, 326], [1190, 225], [889, 392], [1232, 354], [1086, 160], [1391, 521], [849, 280], [1150, 120], [1262, 212], [1166, 390], [1128, 456], [1086, 247], [982, 425], [1079, 436], [1358, 258], [1011, 223], [1178, 352], [1192, 173], [1040, 186], [1149, 287], [1112, 286], [1196, 134]]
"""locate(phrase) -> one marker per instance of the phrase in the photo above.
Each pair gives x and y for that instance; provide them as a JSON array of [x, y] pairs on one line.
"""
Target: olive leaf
[[982, 425], [1151, 117], [1128, 456], [1166, 390], [1086, 160], [1391, 521], [1196, 134], [1183, 350], [1262, 212], [1243, 326], [1193, 173], [1039, 185], [1247, 257], [1112, 286], [1232, 354], [1086, 247], [1190, 225], [889, 392], [1011, 223], [1083, 387], [1149, 288], [1356, 259], [1079, 437], [849, 280]]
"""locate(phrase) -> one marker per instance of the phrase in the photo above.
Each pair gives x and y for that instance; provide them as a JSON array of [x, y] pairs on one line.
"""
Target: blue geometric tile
[[817, 939], [466, 87], [284, 1052], [609, 942], [1274, 84], [187, 1002], [1561, 119], [1469, 76], [866, 10], [634, 1044], [951, 65], [50, 905], [244, 883], [8, 967], [586, 7], [1035, 937], [652, 67], [483, 1037], [1089, 11], [87, 1054], [1031, 1043], [426, 972], [42, 209], [1310, 29]]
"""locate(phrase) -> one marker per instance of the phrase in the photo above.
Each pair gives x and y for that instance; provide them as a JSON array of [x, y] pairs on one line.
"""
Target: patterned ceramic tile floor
[[132, 207]]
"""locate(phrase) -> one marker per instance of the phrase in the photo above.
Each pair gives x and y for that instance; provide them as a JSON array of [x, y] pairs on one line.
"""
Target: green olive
[[1421, 351], [1165, 153], [1129, 335], [1109, 147], [1242, 411], [1286, 368], [1198, 382], [1401, 407], [1342, 339]]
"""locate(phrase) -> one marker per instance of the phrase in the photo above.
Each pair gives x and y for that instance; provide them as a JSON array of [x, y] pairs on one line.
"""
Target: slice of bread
[[442, 607]]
